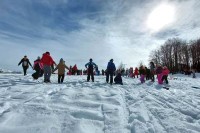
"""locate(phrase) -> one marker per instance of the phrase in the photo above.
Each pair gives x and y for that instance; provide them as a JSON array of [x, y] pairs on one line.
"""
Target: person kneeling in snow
[[38, 67], [165, 73], [61, 70], [118, 78]]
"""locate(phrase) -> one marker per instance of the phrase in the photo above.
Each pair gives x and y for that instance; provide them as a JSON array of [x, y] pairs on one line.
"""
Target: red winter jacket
[[47, 60], [165, 71], [136, 71], [75, 68]]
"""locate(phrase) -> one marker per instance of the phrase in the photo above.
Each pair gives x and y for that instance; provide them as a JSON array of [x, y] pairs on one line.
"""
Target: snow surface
[[76, 106]]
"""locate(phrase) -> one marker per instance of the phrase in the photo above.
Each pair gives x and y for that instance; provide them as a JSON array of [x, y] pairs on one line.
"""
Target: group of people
[[45, 66], [161, 72], [109, 72]]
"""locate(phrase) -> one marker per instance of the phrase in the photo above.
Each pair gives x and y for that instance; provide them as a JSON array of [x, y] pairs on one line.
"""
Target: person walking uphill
[[61, 70], [25, 64], [90, 70], [47, 62], [110, 71]]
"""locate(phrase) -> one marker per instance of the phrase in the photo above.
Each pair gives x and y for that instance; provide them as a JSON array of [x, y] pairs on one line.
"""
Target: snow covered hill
[[28, 106], [9, 71]]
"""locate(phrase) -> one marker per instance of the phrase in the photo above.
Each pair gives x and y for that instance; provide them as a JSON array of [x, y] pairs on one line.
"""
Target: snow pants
[[25, 69], [109, 74], [164, 77], [159, 76], [142, 78], [61, 78], [90, 73], [47, 73]]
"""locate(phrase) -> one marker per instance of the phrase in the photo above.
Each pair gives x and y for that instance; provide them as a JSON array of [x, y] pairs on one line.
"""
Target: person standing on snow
[[110, 71], [90, 70], [47, 62], [165, 73], [61, 70], [159, 73], [25, 64], [136, 72], [152, 71], [142, 72]]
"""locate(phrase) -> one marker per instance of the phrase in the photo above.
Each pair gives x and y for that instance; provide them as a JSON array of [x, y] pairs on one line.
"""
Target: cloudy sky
[[76, 30]]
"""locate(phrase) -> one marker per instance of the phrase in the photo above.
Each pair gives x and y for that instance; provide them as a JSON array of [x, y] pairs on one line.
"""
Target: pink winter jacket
[[165, 71]]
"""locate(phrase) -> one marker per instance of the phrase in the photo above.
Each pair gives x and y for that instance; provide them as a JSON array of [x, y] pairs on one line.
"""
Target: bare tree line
[[178, 55]]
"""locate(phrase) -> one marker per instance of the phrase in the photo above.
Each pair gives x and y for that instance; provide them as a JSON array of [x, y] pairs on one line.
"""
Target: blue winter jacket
[[92, 63], [111, 67]]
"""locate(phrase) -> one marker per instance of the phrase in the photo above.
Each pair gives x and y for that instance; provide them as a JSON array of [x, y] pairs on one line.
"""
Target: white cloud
[[118, 31]]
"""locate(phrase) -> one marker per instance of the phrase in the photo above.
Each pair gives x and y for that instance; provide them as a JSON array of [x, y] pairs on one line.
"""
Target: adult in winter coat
[[118, 78], [47, 61], [159, 73], [165, 73], [90, 70], [110, 71], [38, 67], [25, 64], [152, 71], [61, 70]]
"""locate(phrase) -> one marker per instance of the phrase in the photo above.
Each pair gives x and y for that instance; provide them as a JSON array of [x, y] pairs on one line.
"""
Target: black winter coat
[[25, 63]]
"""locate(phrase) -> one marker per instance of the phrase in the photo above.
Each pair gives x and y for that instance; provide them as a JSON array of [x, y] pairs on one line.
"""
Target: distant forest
[[178, 55]]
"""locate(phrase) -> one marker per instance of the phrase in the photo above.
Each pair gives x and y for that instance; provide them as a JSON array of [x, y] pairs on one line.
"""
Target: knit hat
[[48, 53], [61, 60]]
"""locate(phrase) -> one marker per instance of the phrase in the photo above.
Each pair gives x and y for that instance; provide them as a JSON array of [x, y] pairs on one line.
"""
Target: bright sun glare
[[160, 17]]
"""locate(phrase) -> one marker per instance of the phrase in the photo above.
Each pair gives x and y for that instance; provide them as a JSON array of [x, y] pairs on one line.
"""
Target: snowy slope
[[28, 106], [9, 71]]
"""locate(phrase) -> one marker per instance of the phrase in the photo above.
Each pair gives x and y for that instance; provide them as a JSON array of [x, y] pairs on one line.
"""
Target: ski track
[[77, 106]]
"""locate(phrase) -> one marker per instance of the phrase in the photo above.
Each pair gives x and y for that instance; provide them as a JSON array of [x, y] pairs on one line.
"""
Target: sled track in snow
[[87, 107]]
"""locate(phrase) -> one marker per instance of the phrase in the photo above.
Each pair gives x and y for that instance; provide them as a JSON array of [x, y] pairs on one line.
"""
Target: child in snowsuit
[[61, 70], [136, 73], [118, 78], [165, 73], [159, 74], [142, 74]]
